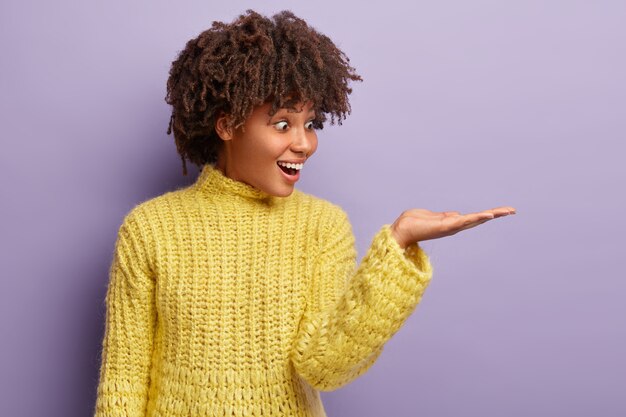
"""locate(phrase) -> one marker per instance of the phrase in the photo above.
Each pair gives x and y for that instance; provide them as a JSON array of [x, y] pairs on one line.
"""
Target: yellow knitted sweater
[[226, 301]]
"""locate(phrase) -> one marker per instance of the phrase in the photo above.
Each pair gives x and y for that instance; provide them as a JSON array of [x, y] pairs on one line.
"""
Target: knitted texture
[[226, 301]]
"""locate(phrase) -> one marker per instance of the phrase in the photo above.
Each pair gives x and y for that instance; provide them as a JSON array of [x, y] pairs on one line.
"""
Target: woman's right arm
[[129, 326]]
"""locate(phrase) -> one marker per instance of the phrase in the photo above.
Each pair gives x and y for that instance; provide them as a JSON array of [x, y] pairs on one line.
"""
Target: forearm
[[338, 344]]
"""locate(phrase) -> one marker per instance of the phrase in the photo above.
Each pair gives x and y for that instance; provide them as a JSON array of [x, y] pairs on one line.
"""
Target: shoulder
[[145, 215], [151, 206]]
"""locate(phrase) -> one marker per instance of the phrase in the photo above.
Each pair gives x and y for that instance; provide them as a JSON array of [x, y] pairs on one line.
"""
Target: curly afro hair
[[232, 68]]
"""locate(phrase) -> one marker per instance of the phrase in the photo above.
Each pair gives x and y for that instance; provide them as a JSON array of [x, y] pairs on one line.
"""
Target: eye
[[282, 125], [309, 125]]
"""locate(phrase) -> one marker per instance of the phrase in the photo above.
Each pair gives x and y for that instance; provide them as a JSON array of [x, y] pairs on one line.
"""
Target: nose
[[303, 141]]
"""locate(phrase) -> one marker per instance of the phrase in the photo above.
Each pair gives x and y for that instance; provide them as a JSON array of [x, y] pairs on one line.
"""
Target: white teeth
[[290, 165]]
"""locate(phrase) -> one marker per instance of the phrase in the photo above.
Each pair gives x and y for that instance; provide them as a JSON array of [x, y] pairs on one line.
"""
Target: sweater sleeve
[[129, 327], [352, 312]]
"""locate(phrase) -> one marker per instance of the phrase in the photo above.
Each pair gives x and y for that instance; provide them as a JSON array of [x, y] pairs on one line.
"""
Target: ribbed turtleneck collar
[[214, 182]]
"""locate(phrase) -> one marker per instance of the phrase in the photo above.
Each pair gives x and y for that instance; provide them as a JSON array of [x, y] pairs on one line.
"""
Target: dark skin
[[414, 225], [417, 225]]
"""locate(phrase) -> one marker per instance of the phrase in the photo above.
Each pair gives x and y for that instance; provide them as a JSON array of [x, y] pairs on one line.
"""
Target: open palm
[[416, 225]]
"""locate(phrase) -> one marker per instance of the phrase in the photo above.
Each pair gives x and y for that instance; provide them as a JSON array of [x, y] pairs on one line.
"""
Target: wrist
[[398, 239]]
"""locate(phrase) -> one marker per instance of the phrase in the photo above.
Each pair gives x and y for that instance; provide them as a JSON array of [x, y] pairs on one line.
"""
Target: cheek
[[281, 144], [314, 145], [266, 147]]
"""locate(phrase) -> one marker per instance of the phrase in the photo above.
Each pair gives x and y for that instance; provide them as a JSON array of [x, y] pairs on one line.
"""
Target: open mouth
[[288, 171]]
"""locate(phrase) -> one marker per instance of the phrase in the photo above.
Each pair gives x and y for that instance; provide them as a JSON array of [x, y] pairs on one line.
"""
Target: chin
[[285, 193], [281, 192]]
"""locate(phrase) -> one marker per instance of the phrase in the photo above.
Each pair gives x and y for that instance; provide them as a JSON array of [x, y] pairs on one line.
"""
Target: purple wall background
[[465, 106]]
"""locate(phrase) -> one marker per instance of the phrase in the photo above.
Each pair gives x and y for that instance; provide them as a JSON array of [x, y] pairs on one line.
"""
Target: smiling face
[[252, 154]]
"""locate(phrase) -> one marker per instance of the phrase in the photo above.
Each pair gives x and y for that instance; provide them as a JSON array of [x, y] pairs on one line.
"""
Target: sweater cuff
[[407, 272]]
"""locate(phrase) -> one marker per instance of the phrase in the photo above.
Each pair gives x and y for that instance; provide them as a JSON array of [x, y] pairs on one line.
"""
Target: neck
[[216, 183]]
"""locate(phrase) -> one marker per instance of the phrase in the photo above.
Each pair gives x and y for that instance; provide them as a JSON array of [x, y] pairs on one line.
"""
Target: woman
[[240, 295]]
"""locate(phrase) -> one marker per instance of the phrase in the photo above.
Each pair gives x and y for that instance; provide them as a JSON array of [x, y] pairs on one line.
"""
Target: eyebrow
[[311, 112]]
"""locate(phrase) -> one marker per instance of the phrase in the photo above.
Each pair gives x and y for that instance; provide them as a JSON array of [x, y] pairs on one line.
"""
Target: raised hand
[[416, 225]]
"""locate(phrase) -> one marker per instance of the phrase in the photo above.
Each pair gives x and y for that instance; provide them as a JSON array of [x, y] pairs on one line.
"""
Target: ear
[[222, 129]]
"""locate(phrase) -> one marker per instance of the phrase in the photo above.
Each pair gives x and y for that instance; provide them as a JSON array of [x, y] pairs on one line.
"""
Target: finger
[[434, 213], [472, 217], [492, 212], [476, 219], [473, 224], [502, 211], [498, 213], [455, 224], [423, 213]]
